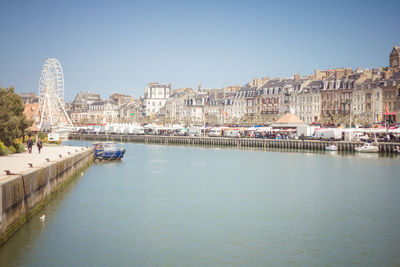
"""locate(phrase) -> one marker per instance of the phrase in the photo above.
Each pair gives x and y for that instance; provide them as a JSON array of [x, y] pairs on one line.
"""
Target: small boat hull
[[107, 151], [331, 148], [110, 155], [367, 148]]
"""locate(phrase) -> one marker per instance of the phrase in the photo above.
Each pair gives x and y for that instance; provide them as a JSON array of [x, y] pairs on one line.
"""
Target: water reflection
[[192, 205]]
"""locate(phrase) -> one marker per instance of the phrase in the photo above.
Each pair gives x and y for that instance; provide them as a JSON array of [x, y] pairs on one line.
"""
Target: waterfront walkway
[[17, 163]]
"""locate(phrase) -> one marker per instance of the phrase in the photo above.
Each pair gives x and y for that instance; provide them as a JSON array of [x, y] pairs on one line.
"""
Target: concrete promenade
[[27, 189], [17, 163]]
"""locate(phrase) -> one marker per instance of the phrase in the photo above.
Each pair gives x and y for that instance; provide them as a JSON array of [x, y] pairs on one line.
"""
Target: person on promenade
[[29, 144], [39, 145]]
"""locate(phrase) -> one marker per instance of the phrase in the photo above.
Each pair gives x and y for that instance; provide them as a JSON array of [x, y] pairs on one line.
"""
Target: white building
[[155, 97]]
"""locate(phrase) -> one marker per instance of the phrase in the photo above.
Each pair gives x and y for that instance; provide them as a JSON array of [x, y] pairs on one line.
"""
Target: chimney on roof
[[387, 74], [296, 77], [257, 82], [367, 73], [339, 73], [347, 72], [376, 75], [264, 80], [317, 74]]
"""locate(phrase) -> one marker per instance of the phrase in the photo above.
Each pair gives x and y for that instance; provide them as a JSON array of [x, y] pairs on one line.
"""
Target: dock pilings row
[[384, 147]]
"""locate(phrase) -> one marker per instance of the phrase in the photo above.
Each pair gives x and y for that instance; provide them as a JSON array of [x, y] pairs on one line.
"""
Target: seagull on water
[[42, 217]]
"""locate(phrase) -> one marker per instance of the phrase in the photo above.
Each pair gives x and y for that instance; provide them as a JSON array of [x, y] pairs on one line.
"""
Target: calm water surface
[[192, 206]]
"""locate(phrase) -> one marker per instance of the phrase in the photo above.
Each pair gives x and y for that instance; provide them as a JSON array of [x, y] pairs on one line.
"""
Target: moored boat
[[331, 148], [367, 148], [107, 151]]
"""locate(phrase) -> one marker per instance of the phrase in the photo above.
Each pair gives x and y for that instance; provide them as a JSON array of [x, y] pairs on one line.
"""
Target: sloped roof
[[86, 96], [247, 87], [278, 83], [289, 118], [30, 110], [396, 48], [34, 128]]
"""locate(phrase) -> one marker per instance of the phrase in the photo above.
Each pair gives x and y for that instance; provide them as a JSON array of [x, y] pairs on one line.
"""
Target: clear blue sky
[[120, 46]]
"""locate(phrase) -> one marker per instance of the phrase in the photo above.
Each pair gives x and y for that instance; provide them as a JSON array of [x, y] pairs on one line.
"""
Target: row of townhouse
[[88, 107], [371, 96]]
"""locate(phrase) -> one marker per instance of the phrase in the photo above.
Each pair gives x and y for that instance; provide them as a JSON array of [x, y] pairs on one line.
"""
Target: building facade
[[155, 98], [394, 58]]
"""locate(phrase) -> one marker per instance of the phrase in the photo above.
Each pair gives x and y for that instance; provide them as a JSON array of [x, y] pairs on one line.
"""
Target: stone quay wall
[[231, 142], [24, 194]]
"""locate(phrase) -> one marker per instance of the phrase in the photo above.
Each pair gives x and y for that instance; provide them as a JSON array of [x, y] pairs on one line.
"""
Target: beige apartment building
[[174, 105], [308, 106]]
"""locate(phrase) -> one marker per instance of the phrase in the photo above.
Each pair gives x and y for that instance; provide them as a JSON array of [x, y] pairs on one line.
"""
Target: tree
[[12, 118]]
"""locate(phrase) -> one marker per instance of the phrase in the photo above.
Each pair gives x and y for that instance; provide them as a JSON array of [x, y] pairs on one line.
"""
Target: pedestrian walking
[[29, 144], [39, 145]]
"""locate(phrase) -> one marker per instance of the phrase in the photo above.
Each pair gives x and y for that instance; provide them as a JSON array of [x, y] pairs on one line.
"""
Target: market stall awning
[[289, 118]]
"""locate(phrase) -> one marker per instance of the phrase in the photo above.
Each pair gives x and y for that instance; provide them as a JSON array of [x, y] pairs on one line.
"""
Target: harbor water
[[195, 206]]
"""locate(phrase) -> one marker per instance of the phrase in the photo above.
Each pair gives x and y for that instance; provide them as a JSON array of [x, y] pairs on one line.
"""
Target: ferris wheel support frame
[[51, 93], [65, 112]]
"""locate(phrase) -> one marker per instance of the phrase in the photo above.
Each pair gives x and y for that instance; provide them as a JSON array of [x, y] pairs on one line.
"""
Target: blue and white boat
[[107, 151]]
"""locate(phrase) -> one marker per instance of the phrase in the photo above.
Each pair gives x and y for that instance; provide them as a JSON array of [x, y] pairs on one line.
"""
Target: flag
[[387, 111]]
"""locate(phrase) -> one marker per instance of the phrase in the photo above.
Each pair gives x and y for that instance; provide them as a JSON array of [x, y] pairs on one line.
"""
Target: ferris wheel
[[51, 96]]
